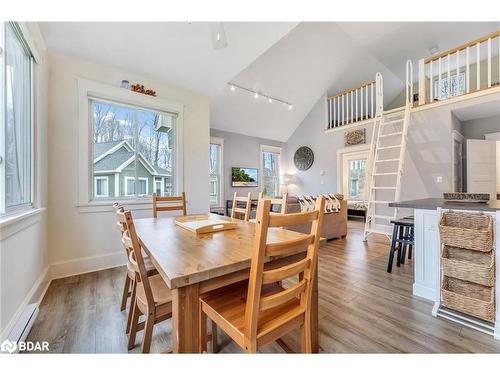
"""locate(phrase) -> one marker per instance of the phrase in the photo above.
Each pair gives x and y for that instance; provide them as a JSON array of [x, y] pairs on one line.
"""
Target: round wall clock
[[303, 158]]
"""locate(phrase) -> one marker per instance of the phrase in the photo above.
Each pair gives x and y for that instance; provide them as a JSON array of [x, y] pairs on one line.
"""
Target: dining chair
[[260, 311], [174, 203], [282, 202], [153, 298], [245, 212], [129, 287]]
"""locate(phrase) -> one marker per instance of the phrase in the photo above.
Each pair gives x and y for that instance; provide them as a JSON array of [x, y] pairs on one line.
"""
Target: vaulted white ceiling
[[296, 63], [179, 53]]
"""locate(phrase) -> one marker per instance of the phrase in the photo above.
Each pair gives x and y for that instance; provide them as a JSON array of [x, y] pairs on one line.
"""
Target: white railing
[[459, 71], [409, 83], [359, 103]]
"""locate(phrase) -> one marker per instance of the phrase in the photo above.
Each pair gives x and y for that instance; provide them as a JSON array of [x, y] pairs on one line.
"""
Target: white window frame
[[21, 209], [274, 150], [353, 152], [147, 186], [88, 90], [126, 179], [104, 178], [162, 185], [220, 142]]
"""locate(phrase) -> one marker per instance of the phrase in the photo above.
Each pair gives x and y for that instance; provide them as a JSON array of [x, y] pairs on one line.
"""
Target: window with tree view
[[357, 179], [270, 174], [133, 151], [215, 168], [16, 136]]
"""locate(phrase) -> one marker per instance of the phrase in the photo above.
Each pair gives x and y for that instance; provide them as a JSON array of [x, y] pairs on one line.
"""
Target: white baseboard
[[424, 292], [34, 296], [78, 266], [56, 271]]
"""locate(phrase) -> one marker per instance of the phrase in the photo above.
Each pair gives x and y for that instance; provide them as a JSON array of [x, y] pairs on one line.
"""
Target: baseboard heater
[[24, 324], [466, 320]]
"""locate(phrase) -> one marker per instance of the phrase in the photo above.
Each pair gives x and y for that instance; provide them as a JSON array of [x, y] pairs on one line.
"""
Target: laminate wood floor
[[362, 308]]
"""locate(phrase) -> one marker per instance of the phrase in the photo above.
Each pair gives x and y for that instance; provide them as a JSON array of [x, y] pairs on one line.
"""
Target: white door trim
[[340, 162], [456, 136]]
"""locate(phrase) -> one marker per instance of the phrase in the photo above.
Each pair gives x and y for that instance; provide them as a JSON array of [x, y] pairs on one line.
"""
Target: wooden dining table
[[194, 264]]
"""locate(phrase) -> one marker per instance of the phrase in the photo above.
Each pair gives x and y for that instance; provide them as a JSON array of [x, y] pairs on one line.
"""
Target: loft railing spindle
[[467, 70], [431, 88], [366, 102], [347, 107], [332, 106], [478, 67], [440, 90], [330, 118], [489, 62], [448, 77], [352, 107], [357, 105], [372, 87], [338, 111]]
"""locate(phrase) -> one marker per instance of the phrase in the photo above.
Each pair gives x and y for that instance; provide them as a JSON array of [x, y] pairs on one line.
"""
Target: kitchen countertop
[[434, 203]]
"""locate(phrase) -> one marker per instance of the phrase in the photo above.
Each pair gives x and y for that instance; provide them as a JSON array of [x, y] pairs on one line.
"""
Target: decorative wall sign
[[355, 137], [303, 158], [140, 89]]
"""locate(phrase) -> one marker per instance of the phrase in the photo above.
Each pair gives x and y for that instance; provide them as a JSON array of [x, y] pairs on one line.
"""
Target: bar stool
[[403, 237]]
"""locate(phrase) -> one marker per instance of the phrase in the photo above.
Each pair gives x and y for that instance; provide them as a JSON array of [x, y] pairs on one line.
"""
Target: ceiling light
[[256, 94], [219, 40]]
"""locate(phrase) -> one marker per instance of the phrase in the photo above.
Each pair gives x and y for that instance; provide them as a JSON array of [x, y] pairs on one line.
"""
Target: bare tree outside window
[[134, 149]]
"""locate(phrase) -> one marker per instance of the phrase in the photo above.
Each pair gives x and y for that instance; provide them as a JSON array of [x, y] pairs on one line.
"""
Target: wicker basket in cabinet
[[470, 298], [469, 265], [468, 231]]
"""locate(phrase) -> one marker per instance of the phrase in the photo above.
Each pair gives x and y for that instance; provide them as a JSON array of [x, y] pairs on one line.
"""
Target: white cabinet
[[427, 255]]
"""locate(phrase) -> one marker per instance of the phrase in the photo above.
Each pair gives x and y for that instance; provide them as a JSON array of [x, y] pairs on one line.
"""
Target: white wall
[[498, 167], [24, 256], [81, 239], [324, 145], [477, 128], [428, 156], [241, 151]]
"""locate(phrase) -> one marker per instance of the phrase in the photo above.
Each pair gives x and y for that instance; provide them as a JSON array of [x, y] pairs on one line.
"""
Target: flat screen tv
[[245, 177]]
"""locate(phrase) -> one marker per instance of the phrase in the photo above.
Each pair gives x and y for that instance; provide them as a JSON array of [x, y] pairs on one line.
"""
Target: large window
[[357, 179], [457, 86], [16, 149], [353, 174], [133, 150], [215, 168], [270, 157]]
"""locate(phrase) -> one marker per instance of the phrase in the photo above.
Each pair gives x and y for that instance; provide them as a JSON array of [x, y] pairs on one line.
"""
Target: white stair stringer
[[385, 171]]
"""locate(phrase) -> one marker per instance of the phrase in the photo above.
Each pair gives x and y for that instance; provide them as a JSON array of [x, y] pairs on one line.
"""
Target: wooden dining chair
[[129, 287], [174, 203], [153, 298], [261, 311], [282, 202], [245, 212]]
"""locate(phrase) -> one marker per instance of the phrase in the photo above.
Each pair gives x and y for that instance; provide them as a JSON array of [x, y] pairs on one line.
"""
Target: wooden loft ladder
[[386, 169], [386, 164]]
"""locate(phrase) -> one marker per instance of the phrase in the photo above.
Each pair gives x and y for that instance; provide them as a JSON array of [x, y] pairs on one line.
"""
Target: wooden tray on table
[[201, 224]]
